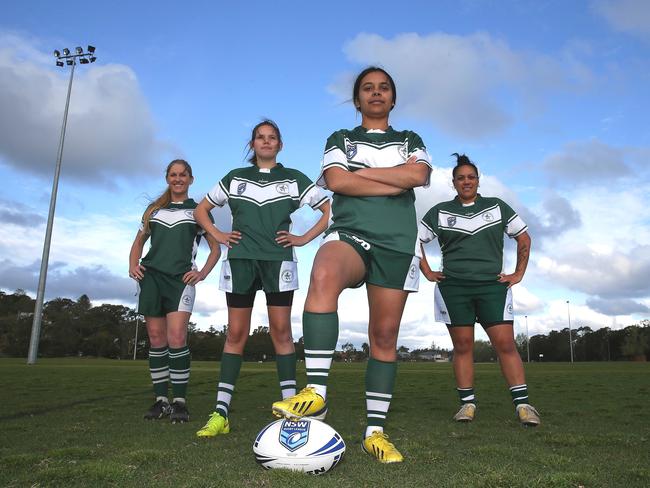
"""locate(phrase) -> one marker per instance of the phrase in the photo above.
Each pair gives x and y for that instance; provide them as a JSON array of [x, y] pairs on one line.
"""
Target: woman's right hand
[[137, 272], [228, 238], [434, 276]]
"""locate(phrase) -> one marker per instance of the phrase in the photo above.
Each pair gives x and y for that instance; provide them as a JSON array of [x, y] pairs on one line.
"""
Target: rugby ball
[[306, 445]]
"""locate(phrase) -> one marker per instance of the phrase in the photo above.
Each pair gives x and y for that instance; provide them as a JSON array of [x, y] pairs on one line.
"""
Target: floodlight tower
[[568, 310], [527, 341], [65, 58]]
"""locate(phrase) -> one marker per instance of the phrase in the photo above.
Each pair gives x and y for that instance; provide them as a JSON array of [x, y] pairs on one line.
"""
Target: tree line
[[76, 328]]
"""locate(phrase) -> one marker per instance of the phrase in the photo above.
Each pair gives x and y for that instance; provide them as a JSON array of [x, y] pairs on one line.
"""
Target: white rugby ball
[[306, 445]]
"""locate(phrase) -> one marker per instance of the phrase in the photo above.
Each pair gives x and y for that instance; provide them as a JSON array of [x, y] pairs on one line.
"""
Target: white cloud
[[585, 162], [614, 274], [110, 133], [459, 82], [630, 16]]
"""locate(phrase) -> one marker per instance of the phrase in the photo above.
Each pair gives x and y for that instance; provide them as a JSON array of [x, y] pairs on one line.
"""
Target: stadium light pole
[[65, 58], [568, 310], [527, 341], [135, 342]]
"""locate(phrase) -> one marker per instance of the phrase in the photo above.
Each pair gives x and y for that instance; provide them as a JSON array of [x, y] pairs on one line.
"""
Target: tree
[[484, 352], [521, 342], [635, 343], [365, 347]]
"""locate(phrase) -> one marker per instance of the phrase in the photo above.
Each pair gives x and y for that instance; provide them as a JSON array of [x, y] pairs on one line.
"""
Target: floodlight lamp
[[66, 51], [91, 49], [59, 63], [83, 61], [79, 50], [92, 59], [57, 53], [70, 62]]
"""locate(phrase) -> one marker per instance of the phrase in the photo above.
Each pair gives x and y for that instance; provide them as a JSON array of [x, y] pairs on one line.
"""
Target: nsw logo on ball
[[294, 434]]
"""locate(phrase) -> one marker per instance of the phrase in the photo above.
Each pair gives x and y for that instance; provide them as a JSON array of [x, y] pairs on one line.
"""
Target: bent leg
[[336, 266]]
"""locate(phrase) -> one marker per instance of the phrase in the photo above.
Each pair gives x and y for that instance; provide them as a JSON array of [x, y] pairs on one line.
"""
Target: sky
[[549, 98]]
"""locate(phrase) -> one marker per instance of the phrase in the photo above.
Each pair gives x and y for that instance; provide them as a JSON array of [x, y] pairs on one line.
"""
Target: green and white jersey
[[175, 238], [261, 201], [388, 222], [471, 236]]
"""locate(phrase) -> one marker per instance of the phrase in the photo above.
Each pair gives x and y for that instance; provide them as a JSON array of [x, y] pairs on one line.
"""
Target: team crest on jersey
[[189, 213], [350, 150], [412, 271], [488, 217], [282, 188], [509, 308], [451, 221], [187, 300], [404, 150], [287, 276], [241, 188], [294, 435]]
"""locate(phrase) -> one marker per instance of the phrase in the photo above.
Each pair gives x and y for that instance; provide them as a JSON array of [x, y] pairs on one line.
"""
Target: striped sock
[[519, 394], [286, 365], [466, 395], [179, 371], [380, 382], [230, 366], [321, 331], [159, 370]]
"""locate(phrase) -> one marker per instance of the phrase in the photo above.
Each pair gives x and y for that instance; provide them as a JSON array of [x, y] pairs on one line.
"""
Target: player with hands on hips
[[260, 255], [166, 278], [472, 286]]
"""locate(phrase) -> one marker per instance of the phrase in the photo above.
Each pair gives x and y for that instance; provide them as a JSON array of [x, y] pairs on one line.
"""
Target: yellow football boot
[[378, 445], [306, 403]]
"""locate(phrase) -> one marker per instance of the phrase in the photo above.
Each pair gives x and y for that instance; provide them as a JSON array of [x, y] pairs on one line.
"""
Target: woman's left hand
[[511, 279], [285, 239], [193, 277]]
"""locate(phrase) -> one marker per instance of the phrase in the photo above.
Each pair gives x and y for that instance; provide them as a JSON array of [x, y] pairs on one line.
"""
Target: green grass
[[78, 422]]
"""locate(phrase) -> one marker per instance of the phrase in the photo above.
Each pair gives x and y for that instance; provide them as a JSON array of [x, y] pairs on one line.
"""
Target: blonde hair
[[165, 198]]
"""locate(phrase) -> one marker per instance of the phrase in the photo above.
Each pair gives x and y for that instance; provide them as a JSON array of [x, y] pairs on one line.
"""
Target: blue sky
[[549, 98]]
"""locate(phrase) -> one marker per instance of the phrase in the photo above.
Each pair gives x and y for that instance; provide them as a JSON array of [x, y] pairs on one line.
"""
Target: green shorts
[[385, 268], [246, 276], [160, 294], [459, 302]]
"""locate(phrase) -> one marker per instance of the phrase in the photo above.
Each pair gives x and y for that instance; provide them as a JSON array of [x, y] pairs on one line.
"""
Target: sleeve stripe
[[427, 226], [320, 202], [224, 189], [520, 232], [215, 204], [338, 165], [302, 195]]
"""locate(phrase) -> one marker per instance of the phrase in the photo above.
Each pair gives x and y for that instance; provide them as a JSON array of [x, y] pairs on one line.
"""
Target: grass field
[[78, 422]]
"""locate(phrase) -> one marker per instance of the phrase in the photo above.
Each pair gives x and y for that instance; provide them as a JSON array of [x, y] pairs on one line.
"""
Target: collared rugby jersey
[[175, 238], [471, 236], [261, 201], [385, 221]]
